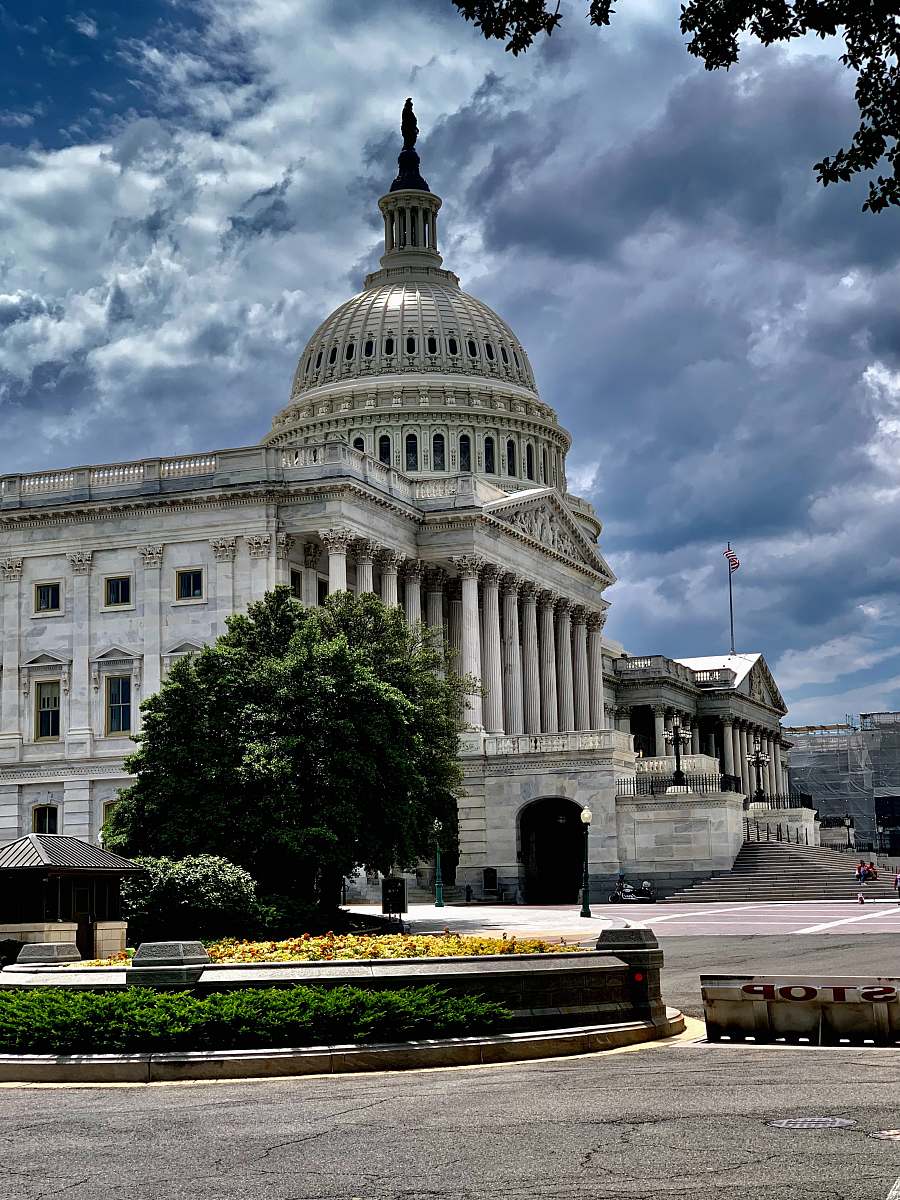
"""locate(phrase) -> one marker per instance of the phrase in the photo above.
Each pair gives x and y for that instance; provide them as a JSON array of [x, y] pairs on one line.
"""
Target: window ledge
[[53, 612], [199, 600], [104, 608]]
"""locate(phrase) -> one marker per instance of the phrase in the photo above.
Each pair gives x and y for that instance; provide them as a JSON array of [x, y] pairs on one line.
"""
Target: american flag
[[733, 561]]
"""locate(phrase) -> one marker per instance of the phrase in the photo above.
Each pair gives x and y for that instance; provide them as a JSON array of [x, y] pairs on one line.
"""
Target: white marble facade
[[416, 459]]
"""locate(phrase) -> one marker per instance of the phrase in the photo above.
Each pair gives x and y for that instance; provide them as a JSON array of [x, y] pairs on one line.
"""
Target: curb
[[333, 1060]]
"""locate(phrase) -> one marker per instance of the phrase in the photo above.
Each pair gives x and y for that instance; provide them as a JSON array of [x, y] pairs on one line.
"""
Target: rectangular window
[[117, 591], [47, 714], [46, 597], [322, 590], [189, 585], [118, 704], [44, 818], [297, 585]]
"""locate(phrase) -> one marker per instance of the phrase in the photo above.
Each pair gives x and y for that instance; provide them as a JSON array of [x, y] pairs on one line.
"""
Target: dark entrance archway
[[552, 841]]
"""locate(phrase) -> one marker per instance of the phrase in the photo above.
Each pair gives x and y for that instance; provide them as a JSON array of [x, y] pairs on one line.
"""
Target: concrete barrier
[[802, 1008]]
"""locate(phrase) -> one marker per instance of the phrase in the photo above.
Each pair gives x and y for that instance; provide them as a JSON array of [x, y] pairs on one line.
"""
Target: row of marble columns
[[535, 658], [738, 740]]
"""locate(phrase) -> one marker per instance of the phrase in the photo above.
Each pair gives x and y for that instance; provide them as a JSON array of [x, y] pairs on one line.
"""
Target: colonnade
[[536, 658], [738, 743]]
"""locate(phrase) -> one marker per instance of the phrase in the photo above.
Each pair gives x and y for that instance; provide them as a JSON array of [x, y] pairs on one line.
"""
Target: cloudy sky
[[187, 188]]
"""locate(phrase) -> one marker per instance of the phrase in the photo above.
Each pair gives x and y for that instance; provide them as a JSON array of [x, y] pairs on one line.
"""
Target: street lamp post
[[848, 825], [586, 817], [879, 836], [759, 759], [676, 735], [438, 878]]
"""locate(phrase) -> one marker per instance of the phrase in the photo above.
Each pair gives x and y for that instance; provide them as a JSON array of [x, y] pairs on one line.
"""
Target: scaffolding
[[853, 769]]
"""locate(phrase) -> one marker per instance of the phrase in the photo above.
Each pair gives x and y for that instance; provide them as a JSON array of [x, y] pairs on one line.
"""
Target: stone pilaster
[[596, 621], [337, 542], [312, 552], [531, 675], [623, 718], [513, 706], [434, 604], [78, 733], [580, 669], [152, 557], [492, 674], [695, 735], [284, 543], [746, 773], [11, 736], [564, 686], [412, 591], [770, 768], [549, 701], [468, 566], [76, 809], [260, 548], [728, 745], [224, 550], [454, 624], [779, 768]]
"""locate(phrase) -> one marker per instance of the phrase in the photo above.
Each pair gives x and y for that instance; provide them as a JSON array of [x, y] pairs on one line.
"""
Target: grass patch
[[60, 1021]]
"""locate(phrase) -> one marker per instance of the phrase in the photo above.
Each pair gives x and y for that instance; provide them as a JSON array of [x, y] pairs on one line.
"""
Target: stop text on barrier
[[833, 992]]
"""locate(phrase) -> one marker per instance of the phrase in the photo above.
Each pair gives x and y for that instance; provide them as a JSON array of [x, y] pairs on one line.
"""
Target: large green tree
[[870, 30], [305, 742]]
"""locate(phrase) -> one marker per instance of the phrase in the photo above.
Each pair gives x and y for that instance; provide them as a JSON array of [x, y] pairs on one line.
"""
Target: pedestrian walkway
[[671, 920]]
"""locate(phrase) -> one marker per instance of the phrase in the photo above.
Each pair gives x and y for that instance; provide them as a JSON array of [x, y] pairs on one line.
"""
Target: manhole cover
[[813, 1123], [887, 1135]]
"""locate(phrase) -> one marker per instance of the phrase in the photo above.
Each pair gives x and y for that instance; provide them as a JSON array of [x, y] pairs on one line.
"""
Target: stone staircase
[[767, 871]]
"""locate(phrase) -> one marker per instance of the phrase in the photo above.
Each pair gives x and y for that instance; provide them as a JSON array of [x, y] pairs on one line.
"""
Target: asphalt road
[[672, 1120]]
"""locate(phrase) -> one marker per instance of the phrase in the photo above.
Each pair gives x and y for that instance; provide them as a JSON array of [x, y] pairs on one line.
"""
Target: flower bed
[[352, 945], [140, 1020]]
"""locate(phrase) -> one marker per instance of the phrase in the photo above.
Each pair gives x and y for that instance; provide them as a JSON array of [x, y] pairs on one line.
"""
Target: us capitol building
[[415, 458]]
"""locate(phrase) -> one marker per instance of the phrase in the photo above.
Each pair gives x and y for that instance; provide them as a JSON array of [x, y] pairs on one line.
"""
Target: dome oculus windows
[[504, 355], [472, 348], [431, 345], [410, 345], [452, 347], [389, 346], [318, 360], [489, 351], [350, 351], [332, 356], [369, 348]]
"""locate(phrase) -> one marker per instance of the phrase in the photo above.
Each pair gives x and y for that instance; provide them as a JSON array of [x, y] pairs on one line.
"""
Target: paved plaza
[[839, 917]]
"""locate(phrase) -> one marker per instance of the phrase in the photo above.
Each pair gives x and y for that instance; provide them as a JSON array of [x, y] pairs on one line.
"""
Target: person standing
[[897, 885]]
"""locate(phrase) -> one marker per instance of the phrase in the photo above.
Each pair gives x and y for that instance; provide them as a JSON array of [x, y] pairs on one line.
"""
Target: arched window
[[518, 364], [432, 345], [318, 360], [410, 345], [544, 476], [490, 463], [44, 818], [504, 355], [308, 364], [529, 461], [389, 346], [412, 452], [489, 350], [472, 348], [465, 452], [452, 347], [332, 355], [384, 449], [350, 351], [438, 458], [369, 348], [510, 457], [359, 444]]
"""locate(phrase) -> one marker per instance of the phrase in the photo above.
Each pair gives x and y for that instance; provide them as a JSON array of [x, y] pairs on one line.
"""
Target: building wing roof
[[739, 663], [60, 850]]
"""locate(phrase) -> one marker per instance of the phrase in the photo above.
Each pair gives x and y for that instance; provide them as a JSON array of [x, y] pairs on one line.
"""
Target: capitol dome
[[418, 373]]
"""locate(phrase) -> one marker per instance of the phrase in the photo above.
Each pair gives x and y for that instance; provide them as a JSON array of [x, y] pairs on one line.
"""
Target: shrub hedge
[[60, 1021]]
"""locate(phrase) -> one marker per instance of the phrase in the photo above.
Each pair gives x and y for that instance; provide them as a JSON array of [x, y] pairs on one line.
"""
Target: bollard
[[639, 949]]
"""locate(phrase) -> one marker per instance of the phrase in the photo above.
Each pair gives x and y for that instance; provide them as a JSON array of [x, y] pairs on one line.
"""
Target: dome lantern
[[410, 208]]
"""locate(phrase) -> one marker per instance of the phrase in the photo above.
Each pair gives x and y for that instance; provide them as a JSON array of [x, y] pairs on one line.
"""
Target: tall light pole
[[759, 759], [586, 817], [676, 735], [848, 825], [438, 878]]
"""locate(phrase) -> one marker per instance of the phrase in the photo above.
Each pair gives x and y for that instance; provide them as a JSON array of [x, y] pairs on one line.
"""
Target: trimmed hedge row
[[139, 1020]]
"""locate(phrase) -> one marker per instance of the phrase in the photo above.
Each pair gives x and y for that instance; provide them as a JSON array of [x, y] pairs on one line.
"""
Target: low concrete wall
[[794, 1008], [679, 838], [40, 931]]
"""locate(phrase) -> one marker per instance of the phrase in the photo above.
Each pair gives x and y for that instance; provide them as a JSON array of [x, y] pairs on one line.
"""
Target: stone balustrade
[[653, 666], [695, 764], [555, 743]]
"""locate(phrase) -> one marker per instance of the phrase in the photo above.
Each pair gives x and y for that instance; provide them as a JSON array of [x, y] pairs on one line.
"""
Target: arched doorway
[[552, 841]]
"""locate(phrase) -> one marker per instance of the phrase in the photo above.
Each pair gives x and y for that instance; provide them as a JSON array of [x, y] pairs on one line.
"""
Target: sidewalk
[[547, 921]]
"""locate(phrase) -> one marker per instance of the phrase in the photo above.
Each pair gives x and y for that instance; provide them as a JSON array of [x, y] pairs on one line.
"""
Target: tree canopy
[[303, 743], [870, 30]]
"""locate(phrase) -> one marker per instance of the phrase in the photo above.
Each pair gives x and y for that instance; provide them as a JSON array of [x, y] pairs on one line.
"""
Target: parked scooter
[[626, 894]]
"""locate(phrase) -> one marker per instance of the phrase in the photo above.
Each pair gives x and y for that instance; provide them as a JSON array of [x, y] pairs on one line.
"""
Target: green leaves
[[304, 743]]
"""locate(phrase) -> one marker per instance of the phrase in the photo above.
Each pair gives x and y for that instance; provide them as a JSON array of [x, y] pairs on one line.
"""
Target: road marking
[[894, 1193], [850, 921], [703, 913]]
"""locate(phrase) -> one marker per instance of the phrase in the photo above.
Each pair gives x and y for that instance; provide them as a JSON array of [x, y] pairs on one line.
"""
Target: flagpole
[[730, 599]]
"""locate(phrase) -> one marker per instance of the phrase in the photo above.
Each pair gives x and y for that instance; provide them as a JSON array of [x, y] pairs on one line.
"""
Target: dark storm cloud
[[266, 212], [22, 306]]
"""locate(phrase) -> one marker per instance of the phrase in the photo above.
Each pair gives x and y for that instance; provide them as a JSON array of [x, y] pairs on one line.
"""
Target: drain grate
[[887, 1135], [813, 1123]]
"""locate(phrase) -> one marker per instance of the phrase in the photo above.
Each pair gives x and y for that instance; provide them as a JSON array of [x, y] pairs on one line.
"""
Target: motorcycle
[[626, 894]]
